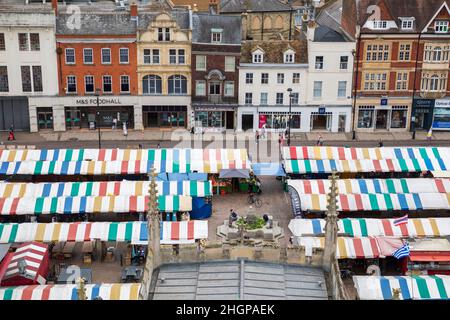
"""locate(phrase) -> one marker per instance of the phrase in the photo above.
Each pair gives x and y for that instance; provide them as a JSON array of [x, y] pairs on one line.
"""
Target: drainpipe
[[356, 85], [290, 25], [262, 26], [413, 109]]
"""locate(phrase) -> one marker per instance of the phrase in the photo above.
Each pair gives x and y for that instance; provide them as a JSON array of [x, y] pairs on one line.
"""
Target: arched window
[[151, 84], [256, 23], [279, 22], [177, 84], [267, 23], [437, 54], [434, 83]]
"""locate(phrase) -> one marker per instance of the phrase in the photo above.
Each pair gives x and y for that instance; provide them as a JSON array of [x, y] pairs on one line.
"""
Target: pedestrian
[[430, 134], [11, 136], [257, 136], [232, 218], [320, 141], [158, 146], [114, 126], [125, 131], [263, 130], [380, 143]]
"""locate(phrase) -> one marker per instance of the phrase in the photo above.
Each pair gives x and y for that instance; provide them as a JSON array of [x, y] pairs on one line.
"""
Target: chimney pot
[[55, 6]]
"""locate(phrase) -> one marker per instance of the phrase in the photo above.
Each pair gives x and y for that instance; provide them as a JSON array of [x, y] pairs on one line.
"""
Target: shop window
[[89, 84], [264, 78], [152, 84], [26, 78], [4, 86], [365, 117], [399, 117], [177, 84], [107, 84], [71, 84], [70, 56], [106, 55], [124, 84]]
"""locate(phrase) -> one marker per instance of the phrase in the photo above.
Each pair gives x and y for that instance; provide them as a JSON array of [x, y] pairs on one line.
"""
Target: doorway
[[45, 118], [321, 122], [342, 122], [230, 120], [247, 122], [382, 120]]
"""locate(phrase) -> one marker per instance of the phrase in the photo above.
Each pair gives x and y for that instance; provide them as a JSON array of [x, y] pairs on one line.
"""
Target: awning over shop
[[441, 174], [176, 232], [106, 291], [234, 173], [430, 257], [416, 287], [373, 186], [90, 204], [268, 169], [106, 188], [427, 227], [377, 202]]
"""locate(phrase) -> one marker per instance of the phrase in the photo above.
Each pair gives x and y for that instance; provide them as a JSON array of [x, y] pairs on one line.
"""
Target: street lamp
[[97, 94], [290, 114]]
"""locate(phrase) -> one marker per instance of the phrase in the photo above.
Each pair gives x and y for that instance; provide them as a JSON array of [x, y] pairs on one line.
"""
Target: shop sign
[[441, 117], [322, 110], [101, 101], [384, 102], [424, 103]]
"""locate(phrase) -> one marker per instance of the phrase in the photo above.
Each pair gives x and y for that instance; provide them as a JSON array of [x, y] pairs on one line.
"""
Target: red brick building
[[216, 48]]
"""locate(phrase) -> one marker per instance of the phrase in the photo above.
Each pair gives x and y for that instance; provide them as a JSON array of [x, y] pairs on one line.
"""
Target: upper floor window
[[106, 55], [435, 82], [107, 84], [70, 56], [124, 84], [152, 84], [258, 56], [342, 89], [263, 99], [34, 42], [296, 78], [216, 35], [407, 23], [248, 98], [2, 42], [177, 84], [29, 42], [151, 56], [88, 56], [23, 42], [4, 86], [436, 53], [378, 24], [402, 81], [123, 55], [343, 65], [249, 78], [294, 98], [280, 78], [229, 89], [175, 58], [377, 52], [317, 90], [163, 34], [264, 78], [71, 84], [181, 56], [375, 81], [31, 81], [200, 63], [89, 84], [289, 57], [441, 26], [319, 63], [404, 52], [230, 64], [279, 98]]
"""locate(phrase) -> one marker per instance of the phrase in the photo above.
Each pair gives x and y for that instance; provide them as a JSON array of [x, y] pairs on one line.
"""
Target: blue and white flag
[[402, 252], [401, 220]]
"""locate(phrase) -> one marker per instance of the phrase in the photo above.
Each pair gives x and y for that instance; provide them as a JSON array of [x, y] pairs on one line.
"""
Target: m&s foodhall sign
[[101, 101]]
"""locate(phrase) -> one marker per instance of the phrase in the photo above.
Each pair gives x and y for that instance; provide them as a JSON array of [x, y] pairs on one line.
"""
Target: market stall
[[105, 291], [420, 288]]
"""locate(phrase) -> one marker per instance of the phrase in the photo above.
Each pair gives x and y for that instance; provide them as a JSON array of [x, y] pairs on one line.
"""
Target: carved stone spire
[[153, 221], [331, 227], [81, 289]]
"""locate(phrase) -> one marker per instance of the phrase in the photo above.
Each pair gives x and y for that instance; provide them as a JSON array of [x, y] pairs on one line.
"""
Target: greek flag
[[402, 252], [401, 220]]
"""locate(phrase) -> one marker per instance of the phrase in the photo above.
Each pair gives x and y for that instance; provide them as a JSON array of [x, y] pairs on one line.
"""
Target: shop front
[[422, 114], [106, 117], [14, 111], [164, 116], [441, 116], [214, 119], [278, 121]]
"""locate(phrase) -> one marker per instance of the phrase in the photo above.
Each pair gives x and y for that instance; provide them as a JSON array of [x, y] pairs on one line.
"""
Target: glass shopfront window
[[280, 120], [398, 118], [164, 116], [88, 117], [365, 118], [45, 118], [210, 119]]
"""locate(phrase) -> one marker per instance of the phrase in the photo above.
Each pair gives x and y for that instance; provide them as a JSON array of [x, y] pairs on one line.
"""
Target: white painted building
[[27, 61]]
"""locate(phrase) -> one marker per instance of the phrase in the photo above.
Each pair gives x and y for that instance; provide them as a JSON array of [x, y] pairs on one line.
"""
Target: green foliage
[[251, 222]]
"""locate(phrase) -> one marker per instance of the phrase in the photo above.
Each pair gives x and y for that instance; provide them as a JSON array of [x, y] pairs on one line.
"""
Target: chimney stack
[[55, 6], [214, 7], [133, 9], [312, 25]]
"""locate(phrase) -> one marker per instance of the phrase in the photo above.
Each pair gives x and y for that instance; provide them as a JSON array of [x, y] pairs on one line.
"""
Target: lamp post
[[97, 94], [290, 114]]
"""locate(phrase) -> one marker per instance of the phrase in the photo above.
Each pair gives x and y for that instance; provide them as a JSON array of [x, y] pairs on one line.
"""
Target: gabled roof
[[180, 16], [326, 34], [239, 6], [444, 6], [204, 22], [32, 254]]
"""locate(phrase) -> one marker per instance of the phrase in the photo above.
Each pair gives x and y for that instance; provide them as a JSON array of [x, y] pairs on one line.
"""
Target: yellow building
[[164, 69]]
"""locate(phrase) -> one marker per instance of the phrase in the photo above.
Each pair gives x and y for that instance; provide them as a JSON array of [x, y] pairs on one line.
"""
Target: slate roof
[[203, 23], [326, 34], [180, 16], [239, 6], [202, 5], [274, 50], [422, 10], [239, 280]]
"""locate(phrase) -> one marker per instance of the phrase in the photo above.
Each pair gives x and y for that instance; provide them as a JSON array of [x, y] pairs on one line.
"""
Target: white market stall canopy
[[176, 232], [305, 160], [106, 291], [415, 287], [120, 161], [90, 204], [107, 188], [426, 227]]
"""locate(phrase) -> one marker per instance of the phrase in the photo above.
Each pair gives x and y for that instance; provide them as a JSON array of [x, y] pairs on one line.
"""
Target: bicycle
[[254, 199]]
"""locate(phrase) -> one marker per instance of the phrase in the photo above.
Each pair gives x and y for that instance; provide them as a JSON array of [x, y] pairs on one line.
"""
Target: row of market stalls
[[135, 232], [376, 186]]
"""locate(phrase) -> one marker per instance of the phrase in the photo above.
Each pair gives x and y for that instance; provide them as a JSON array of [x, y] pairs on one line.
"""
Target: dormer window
[[407, 23], [289, 56], [216, 35], [378, 24], [258, 56], [163, 34], [441, 26]]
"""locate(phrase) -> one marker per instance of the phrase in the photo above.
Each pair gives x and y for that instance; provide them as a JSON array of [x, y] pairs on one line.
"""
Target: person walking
[[430, 134], [320, 141], [257, 135], [380, 143], [263, 131], [125, 130], [114, 126]]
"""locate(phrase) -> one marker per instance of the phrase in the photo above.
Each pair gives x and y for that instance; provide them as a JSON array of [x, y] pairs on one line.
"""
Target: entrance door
[[247, 122], [382, 119], [152, 119], [342, 122], [73, 118], [45, 118], [320, 122], [230, 120]]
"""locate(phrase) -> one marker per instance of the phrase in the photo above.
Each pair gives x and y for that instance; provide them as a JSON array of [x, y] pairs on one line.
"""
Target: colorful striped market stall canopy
[[90, 204], [371, 186], [415, 287], [171, 232], [107, 188], [113, 291], [120, 161], [427, 227], [377, 202], [305, 160]]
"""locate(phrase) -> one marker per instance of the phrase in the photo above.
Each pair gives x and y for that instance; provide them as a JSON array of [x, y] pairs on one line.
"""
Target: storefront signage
[[424, 103], [322, 110], [101, 101], [384, 102], [441, 118]]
